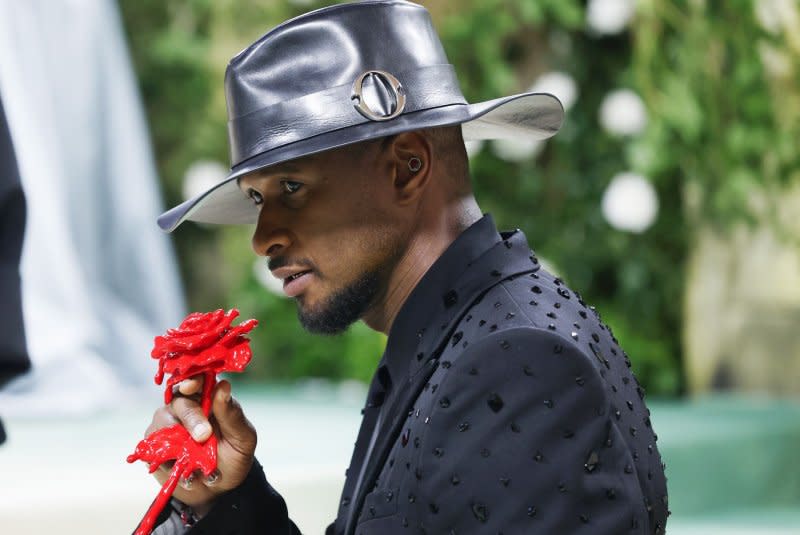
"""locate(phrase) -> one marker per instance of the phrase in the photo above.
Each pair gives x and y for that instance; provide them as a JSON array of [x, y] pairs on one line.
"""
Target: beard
[[343, 308], [350, 303]]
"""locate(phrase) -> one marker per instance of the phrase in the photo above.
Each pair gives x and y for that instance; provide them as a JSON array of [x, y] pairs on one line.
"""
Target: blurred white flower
[[630, 203], [263, 276], [517, 150], [776, 62], [608, 17], [560, 84], [474, 147], [201, 176], [772, 14], [622, 113]]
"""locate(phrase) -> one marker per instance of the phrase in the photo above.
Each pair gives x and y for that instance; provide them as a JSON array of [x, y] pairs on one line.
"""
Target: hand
[[236, 438]]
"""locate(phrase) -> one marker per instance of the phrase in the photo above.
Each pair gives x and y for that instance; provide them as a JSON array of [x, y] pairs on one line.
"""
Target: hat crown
[[331, 47]]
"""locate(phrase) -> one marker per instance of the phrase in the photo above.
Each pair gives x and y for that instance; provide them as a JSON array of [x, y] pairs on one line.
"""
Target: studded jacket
[[502, 404]]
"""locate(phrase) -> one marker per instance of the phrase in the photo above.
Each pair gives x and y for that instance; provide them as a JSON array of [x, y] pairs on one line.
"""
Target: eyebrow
[[263, 174], [274, 171], [279, 169]]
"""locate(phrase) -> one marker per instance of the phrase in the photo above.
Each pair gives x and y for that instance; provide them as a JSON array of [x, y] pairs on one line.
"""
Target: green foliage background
[[721, 125]]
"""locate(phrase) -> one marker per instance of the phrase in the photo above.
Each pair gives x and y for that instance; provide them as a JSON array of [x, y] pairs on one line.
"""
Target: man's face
[[329, 228]]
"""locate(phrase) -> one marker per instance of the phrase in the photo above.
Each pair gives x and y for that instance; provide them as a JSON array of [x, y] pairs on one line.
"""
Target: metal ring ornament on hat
[[387, 93]]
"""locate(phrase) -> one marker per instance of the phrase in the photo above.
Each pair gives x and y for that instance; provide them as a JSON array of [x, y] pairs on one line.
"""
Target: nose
[[269, 238]]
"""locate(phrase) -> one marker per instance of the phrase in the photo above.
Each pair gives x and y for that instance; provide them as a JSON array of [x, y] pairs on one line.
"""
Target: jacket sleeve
[[253, 508], [519, 439]]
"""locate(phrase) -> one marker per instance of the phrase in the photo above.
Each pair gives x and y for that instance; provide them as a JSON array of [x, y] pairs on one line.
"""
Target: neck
[[426, 245]]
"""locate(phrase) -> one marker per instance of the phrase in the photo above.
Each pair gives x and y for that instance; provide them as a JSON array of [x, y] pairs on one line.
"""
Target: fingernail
[[199, 430], [213, 477]]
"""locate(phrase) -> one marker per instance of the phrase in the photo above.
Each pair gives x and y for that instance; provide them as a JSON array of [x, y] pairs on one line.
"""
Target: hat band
[[332, 109]]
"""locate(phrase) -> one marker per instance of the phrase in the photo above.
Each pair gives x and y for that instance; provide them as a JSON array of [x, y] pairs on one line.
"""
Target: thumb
[[233, 425]]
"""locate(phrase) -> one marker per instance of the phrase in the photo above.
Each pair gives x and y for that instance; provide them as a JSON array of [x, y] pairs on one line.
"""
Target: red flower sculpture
[[207, 344]]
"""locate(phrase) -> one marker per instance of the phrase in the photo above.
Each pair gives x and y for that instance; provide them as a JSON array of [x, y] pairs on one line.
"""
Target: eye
[[290, 187], [257, 198]]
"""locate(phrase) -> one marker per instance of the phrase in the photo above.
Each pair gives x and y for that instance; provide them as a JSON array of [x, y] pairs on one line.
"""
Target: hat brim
[[530, 115]]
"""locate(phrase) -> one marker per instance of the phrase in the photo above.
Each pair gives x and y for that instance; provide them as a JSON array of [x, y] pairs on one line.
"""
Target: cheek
[[381, 248], [347, 231], [356, 218], [358, 250]]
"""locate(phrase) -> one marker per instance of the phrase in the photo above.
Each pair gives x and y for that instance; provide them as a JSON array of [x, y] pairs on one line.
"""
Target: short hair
[[448, 146]]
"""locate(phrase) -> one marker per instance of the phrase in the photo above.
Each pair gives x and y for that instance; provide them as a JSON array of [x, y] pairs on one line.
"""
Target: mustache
[[276, 262]]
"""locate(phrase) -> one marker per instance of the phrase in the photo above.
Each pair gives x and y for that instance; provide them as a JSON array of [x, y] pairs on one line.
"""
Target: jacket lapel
[[375, 399]]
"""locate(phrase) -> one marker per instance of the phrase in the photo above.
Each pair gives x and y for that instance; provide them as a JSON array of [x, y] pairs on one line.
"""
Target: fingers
[[191, 386], [186, 410], [190, 415], [197, 476], [212, 479], [235, 448], [187, 482], [161, 418], [233, 425]]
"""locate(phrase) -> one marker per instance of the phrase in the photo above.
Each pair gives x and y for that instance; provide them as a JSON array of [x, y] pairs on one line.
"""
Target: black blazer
[[512, 410]]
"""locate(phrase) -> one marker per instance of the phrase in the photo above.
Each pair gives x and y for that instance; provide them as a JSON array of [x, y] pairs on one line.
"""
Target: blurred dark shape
[[13, 353]]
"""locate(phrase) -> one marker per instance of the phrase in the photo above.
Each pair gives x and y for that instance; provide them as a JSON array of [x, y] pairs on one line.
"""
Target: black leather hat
[[340, 75]]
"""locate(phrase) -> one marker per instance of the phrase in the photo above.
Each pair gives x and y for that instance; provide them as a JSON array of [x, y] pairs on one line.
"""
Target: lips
[[290, 278], [296, 284], [295, 279], [286, 272]]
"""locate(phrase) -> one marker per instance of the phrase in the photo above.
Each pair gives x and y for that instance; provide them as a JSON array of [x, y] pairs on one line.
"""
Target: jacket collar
[[432, 295], [478, 259]]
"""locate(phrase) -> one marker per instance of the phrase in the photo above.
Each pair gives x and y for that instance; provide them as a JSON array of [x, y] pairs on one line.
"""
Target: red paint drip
[[207, 344]]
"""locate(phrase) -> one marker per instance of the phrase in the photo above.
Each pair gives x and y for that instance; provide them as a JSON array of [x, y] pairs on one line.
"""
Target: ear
[[410, 181]]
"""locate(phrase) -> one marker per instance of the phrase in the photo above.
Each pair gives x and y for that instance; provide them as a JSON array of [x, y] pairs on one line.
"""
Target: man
[[502, 403]]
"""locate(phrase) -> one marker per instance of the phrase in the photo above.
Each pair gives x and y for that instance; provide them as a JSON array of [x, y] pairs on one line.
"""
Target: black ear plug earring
[[414, 164]]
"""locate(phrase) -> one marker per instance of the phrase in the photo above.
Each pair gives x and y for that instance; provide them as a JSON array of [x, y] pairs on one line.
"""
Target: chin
[[323, 322], [334, 313]]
